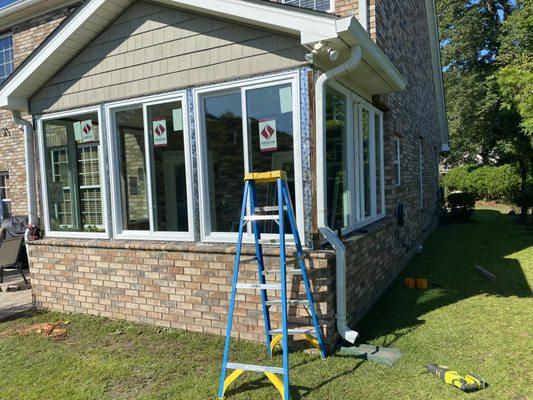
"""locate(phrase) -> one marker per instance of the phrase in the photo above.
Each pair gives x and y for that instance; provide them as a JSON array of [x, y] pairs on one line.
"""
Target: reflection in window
[[130, 130], [225, 159], [271, 132], [73, 178], [366, 160], [6, 57], [169, 180], [338, 196]]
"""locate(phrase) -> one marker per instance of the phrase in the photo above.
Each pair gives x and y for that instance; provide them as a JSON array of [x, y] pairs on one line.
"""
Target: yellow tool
[[469, 383]]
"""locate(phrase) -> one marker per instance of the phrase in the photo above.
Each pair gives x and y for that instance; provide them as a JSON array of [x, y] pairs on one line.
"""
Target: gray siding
[[152, 48]]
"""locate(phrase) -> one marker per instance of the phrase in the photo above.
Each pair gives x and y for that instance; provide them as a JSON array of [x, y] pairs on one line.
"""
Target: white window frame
[[7, 200], [114, 166], [397, 161], [421, 170], [354, 106], [103, 177], [12, 61], [207, 235], [330, 10]]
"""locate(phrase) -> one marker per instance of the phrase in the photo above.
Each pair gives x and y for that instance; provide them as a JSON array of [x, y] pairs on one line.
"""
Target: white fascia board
[[352, 33], [75, 22], [310, 27]]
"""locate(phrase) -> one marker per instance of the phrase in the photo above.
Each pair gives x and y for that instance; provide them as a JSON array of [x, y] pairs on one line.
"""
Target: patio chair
[[10, 251]]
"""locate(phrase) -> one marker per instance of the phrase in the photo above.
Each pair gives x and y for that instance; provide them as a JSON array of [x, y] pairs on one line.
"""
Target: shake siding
[[152, 48]]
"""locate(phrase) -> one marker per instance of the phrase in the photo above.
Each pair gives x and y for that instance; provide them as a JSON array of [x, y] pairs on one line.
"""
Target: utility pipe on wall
[[29, 155], [340, 250], [363, 13]]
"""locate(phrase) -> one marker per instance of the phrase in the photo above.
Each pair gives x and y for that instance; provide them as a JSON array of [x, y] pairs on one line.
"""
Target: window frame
[[242, 86], [114, 168], [104, 182], [355, 160], [331, 8], [421, 176], [3, 176], [397, 160], [12, 61]]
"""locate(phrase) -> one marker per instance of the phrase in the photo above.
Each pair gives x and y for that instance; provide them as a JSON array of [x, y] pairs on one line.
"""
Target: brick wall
[[182, 286], [26, 37]]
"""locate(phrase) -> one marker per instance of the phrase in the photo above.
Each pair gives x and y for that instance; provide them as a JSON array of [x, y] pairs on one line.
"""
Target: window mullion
[[246, 147], [149, 154], [372, 150]]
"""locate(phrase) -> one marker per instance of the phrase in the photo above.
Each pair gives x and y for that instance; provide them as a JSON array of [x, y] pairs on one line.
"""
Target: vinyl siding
[[151, 49]]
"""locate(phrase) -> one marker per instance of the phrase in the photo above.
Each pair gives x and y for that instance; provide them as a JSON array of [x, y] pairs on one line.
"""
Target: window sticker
[[160, 132], [268, 140], [83, 131], [177, 118], [285, 99]]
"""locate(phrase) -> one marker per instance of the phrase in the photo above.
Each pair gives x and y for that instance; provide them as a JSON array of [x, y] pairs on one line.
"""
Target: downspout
[[340, 250], [29, 155]]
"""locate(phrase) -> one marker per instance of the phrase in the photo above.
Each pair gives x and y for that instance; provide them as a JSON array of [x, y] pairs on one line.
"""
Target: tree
[[487, 60]]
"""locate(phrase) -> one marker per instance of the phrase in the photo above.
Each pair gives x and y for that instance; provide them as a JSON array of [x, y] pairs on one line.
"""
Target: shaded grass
[[463, 320]]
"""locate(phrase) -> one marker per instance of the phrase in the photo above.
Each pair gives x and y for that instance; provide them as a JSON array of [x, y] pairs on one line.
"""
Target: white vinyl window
[[318, 5], [355, 190], [396, 163], [150, 159], [73, 182], [246, 126], [6, 56], [421, 171], [5, 202]]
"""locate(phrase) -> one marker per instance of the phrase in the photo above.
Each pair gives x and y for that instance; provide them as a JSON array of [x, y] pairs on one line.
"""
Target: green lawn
[[463, 321]]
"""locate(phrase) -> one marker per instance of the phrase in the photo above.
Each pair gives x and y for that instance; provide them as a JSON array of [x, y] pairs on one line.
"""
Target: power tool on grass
[[469, 383]]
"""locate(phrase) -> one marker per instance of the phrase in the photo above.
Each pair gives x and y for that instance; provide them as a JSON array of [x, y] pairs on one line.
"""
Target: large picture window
[[355, 192], [71, 161], [151, 180], [248, 126]]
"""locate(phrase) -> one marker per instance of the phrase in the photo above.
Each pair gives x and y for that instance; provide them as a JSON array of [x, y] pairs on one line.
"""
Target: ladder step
[[258, 286], [261, 218], [255, 368], [288, 271], [293, 331], [268, 209], [304, 303]]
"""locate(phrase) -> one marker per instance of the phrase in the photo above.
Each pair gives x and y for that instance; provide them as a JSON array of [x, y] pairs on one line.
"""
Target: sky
[[4, 3]]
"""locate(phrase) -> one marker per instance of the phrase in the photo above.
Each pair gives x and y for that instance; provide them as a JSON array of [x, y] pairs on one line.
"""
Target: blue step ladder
[[274, 337]]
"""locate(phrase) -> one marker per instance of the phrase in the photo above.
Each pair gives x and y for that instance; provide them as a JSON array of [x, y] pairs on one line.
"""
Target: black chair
[[10, 256]]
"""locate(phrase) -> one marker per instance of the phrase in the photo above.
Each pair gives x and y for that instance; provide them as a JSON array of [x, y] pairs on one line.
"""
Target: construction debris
[[47, 329], [378, 354]]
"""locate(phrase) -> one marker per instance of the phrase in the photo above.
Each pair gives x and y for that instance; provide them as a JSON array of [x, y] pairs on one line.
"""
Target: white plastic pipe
[[363, 14], [340, 250], [29, 155]]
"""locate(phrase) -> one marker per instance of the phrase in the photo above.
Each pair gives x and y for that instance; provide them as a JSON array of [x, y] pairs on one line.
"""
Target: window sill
[[367, 230]]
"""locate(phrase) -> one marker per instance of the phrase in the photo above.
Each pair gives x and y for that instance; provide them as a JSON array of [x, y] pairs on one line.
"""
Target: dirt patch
[[47, 329]]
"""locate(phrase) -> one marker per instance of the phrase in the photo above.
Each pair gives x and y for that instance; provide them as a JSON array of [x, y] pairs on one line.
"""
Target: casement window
[[396, 163], [318, 5], [6, 56], [72, 174], [5, 202], [246, 126], [151, 176], [421, 171], [355, 192]]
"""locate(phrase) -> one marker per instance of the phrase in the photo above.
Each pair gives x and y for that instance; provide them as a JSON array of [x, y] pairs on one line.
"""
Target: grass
[[463, 321]]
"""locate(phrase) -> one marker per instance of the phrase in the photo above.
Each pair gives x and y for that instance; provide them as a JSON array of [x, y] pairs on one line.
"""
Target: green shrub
[[486, 182], [461, 205]]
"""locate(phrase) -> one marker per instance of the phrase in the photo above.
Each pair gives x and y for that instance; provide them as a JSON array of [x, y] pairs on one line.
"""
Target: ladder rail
[[301, 261], [235, 278]]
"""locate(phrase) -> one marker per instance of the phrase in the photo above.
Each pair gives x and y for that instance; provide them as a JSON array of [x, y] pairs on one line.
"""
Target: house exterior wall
[[152, 49], [187, 285], [26, 37]]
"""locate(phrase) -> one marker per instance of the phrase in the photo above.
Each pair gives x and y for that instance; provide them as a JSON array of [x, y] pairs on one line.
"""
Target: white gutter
[[29, 155], [340, 250]]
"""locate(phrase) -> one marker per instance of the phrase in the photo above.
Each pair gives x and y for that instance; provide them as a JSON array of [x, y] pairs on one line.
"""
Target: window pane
[[130, 131], [225, 160], [366, 160], [169, 192], [271, 132], [5, 203], [73, 173], [379, 163], [338, 196]]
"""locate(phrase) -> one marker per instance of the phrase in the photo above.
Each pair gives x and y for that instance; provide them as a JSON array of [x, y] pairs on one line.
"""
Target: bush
[[461, 205], [485, 183]]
